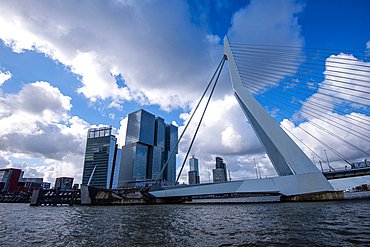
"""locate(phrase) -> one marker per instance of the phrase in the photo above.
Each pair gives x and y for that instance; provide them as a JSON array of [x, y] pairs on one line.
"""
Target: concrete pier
[[52, 197], [122, 196], [322, 196]]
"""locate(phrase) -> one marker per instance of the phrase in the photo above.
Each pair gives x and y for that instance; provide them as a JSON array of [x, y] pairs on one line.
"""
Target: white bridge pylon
[[297, 174], [285, 155]]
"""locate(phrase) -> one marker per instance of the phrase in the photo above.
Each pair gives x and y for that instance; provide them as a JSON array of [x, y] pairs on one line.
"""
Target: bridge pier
[[321, 196], [123, 196]]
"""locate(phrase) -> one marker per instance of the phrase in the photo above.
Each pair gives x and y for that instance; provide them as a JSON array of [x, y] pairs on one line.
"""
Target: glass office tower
[[148, 139], [220, 173], [140, 128], [99, 158], [193, 174], [170, 142]]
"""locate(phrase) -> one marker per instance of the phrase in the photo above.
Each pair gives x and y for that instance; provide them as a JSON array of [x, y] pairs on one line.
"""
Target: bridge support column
[[321, 196]]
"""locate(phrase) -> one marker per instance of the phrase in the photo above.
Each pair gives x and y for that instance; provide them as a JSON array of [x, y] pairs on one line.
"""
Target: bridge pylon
[[285, 155], [298, 180]]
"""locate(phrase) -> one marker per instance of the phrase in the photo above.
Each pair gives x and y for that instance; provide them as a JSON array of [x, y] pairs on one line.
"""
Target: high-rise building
[[193, 174], [147, 144], [100, 158], [134, 161], [140, 128], [170, 144], [158, 149], [220, 173]]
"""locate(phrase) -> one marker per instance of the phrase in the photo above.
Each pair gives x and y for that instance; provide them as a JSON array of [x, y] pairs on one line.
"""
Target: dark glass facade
[[193, 174], [140, 128], [148, 141], [160, 132], [220, 173], [100, 148], [170, 143]]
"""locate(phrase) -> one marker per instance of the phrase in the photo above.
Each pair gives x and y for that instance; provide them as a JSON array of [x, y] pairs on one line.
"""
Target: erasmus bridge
[[346, 79]]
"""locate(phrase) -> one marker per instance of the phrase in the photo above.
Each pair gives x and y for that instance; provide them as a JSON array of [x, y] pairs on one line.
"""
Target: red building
[[12, 180]]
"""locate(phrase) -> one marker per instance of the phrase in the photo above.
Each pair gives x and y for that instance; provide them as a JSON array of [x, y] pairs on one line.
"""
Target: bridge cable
[[319, 105], [333, 123], [309, 103], [316, 125], [291, 133], [308, 90], [338, 71], [200, 121], [306, 53], [191, 117], [295, 47], [291, 70], [323, 129], [243, 75], [317, 139]]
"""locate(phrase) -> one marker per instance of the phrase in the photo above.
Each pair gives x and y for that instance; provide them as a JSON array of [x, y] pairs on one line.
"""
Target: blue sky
[[78, 64]]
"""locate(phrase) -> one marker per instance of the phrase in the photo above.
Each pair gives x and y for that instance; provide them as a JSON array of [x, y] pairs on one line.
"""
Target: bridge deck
[[347, 173]]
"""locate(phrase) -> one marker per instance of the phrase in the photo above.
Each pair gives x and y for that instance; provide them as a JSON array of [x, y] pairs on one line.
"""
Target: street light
[[327, 160], [255, 167]]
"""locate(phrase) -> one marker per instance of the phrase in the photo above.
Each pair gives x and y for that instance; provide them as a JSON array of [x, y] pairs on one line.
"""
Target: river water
[[334, 223]]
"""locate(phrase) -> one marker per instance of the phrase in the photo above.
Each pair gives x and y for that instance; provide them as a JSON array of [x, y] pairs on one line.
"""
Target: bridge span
[[285, 185], [297, 175], [348, 173]]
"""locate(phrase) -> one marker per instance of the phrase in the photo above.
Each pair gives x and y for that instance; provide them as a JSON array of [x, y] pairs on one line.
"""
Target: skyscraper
[[99, 158], [220, 173], [158, 149], [148, 141], [193, 174], [170, 142]]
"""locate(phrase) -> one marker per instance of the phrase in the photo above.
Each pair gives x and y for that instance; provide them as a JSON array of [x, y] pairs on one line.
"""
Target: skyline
[[68, 66]]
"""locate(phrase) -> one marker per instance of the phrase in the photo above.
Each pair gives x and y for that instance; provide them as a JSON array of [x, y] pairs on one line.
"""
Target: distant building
[[12, 180], [148, 144], [220, 173], [46, 185], [170, 143], [63, 183], [193, 174], [100, 158]]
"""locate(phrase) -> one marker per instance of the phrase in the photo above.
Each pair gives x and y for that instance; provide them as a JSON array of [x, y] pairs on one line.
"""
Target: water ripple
[[340, 223]]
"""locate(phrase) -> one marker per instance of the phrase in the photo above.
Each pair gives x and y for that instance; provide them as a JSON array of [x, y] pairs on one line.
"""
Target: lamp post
[[255, 167], [327, 159]]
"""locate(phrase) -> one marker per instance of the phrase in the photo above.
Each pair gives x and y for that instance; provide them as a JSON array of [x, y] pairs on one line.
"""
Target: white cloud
[[349, 79], [4, 161], [121, 138], [153, 46], [340, 124], [4, 76], [268, 22], [224, 133], [36, 124], [260, 21]]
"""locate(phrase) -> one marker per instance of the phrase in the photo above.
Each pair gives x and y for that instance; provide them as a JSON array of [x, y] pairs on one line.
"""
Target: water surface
[[335, 223]]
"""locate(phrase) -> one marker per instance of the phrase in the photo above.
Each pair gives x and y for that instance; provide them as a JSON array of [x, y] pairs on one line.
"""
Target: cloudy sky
[[69, 65]]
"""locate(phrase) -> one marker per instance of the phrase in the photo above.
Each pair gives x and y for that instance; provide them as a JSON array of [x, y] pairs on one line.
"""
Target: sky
[[69, 65]]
